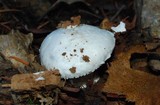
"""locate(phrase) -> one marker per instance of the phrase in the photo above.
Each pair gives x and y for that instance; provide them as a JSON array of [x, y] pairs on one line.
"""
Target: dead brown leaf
[[15, 48], [138, 86]]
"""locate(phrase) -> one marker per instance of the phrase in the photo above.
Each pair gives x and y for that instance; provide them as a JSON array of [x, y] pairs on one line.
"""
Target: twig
[[20, 60], [117, 13], [37, 31], [9, 10], [57, 2], [5, 26], [89, 13], [53, 6], [42, 25]]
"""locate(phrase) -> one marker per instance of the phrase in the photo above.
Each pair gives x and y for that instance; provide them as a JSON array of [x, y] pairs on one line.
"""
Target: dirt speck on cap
[[86, 58], [64, 53], [71, 54], [81, 50], [74, 50], [73, 69]]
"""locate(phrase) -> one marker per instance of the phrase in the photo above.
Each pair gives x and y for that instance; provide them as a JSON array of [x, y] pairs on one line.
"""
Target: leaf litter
[[125, 82]]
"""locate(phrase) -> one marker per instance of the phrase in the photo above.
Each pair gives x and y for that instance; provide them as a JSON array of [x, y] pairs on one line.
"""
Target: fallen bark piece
[[34, 81], [138, 86]]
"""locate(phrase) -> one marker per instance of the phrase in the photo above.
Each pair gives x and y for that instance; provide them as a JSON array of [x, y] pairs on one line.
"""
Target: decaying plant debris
[[132, 74], [35, 80]]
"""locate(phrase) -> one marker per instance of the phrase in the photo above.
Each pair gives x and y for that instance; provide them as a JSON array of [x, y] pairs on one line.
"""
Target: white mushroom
[[76, 50]]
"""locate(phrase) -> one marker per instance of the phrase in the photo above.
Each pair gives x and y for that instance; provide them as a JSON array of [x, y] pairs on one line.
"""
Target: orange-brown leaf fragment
[[106, 24], [74, 21], [34, 81], [138, 86]]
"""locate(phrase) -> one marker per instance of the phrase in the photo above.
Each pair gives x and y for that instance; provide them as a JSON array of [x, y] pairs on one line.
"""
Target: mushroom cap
[[76, 50]]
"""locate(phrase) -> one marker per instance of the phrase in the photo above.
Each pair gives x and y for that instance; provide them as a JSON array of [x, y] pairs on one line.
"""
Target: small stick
[[117, 13], [19, 60], [50, 8], [9, 10], [6, 85], [42, 25]]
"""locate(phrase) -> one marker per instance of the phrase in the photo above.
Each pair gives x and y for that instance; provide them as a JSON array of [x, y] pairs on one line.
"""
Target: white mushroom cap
[[76, 50]]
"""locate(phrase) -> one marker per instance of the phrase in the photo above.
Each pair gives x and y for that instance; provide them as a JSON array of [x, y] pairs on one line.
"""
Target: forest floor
[[130, 74]]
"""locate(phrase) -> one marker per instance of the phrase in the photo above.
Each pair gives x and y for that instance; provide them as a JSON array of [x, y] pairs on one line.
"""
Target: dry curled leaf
[[138, 86], [14, 46]]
